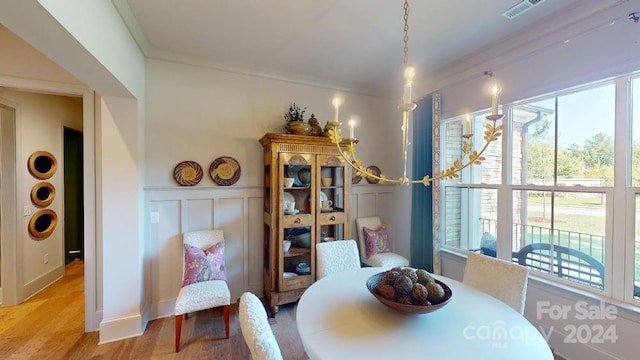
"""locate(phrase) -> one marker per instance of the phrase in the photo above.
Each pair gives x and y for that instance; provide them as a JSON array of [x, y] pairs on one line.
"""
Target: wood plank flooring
[[50, 325]]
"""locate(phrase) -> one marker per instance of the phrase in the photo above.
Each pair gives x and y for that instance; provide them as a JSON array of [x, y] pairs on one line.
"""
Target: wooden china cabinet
[[320, 176]]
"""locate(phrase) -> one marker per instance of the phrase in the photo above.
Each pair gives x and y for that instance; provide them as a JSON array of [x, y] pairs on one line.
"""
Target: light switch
[[26, 211], [155, 217]]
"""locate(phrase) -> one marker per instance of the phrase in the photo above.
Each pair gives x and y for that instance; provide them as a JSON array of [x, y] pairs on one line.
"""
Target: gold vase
[[298, 128]]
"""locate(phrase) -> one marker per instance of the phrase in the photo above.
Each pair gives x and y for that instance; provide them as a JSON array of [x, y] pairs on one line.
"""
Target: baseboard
[[120, 328], [97, 319], [163, 309], [33, 287], [146, 316]]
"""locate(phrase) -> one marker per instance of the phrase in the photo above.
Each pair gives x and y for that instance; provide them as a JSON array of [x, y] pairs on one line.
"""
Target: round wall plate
[[225, 171], [42, 224], [187, 173], [42, 165], [376, 171], [42, 194]]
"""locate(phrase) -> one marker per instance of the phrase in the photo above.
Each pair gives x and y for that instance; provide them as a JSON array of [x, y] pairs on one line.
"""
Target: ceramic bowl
[[288, 182], [303, 268], [302, 240], [408, 309]]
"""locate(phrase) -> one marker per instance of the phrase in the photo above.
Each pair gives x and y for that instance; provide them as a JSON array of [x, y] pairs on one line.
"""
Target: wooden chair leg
[[178, 331], [225, 311]]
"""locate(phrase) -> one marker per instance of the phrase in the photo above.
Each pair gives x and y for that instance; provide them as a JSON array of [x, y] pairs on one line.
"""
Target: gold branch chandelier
[[469, 156]]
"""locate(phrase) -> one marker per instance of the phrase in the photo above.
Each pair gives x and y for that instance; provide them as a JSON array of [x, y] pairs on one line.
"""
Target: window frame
[[618, 280]]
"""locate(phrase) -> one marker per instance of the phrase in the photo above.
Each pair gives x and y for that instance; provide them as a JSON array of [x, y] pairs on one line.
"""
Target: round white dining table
[[338, 318]]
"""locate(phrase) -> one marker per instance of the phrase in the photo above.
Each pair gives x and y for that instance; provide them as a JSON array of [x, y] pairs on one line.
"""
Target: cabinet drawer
[[331, 218], [298, 282], [298, 220]]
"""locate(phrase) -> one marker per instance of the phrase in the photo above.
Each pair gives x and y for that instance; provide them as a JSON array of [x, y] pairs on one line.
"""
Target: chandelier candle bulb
[[352, 125], [467, 125], [409, 73], [336, 104], [495, 90]]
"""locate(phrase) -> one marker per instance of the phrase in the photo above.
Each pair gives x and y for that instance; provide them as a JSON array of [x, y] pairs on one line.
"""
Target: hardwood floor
[[50, 325]]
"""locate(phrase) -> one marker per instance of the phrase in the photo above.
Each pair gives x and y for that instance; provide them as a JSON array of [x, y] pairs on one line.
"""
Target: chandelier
[[469, 156]]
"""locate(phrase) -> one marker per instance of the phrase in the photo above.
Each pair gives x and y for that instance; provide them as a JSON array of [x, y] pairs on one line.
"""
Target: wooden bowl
[[372, 282]]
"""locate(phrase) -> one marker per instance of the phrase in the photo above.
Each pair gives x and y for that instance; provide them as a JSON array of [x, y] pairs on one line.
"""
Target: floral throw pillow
[[203, 265], [376, 241]]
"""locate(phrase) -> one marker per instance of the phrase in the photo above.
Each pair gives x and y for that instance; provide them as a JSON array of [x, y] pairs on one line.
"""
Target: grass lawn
[[579, 227]]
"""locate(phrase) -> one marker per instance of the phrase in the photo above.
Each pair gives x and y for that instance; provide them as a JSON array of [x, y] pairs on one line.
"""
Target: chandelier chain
[[406, 33], [469, 157]]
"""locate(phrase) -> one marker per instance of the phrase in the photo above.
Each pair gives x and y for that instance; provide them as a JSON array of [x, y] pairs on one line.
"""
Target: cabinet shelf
[[296, 187], [296, 252]]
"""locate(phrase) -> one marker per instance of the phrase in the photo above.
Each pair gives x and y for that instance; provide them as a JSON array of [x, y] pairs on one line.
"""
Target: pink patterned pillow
[[202, 265], [376, 241]]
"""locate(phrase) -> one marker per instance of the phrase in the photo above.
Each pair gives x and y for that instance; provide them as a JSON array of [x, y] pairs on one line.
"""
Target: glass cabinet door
[[297, 251], [332, 198]]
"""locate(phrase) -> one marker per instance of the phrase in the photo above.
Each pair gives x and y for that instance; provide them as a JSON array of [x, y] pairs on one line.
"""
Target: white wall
[[89, 40], [199, 114], [40, 120], [601, 45]]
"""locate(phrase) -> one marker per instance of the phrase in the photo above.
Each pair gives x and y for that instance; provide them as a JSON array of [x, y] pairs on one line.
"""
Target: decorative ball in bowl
[[409, 291]]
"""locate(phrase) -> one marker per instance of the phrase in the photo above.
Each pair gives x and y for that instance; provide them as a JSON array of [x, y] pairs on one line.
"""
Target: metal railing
[[524, 235]]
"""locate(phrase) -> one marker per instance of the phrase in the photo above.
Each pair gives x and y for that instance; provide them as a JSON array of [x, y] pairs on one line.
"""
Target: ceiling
[[349, 44]]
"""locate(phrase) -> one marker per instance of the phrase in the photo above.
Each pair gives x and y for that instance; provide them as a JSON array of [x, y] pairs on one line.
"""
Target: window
[[471, 201], [559, 186], [490, 172]]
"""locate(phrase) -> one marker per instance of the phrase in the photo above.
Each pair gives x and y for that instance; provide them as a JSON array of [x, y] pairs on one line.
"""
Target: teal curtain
[[421, 213]]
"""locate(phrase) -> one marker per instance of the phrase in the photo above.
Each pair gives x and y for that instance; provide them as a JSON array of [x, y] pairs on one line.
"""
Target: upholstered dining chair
[[256, 330], [503, 280], [200, 289], [375, 247], [336, 256]]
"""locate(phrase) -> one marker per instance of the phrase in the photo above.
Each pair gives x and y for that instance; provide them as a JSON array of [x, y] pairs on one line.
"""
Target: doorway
[[73, 196], [8, 201]]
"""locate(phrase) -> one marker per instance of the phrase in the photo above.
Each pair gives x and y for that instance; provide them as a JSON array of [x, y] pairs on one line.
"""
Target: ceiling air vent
[[521, 8]]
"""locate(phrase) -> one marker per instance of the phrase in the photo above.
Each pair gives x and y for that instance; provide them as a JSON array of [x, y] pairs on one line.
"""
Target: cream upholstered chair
[[385, 259], [503, 280], [256, 330], [336, 256], [205, 294]]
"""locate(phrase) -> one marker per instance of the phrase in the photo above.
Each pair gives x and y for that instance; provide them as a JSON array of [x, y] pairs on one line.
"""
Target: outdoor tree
[[540, 160], [598, 151]]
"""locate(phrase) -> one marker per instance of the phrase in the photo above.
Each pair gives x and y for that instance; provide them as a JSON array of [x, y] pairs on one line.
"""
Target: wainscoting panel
[[236, 210], [371, 200], [199, 214], [231, 215], [255, 249], [164, 256]]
